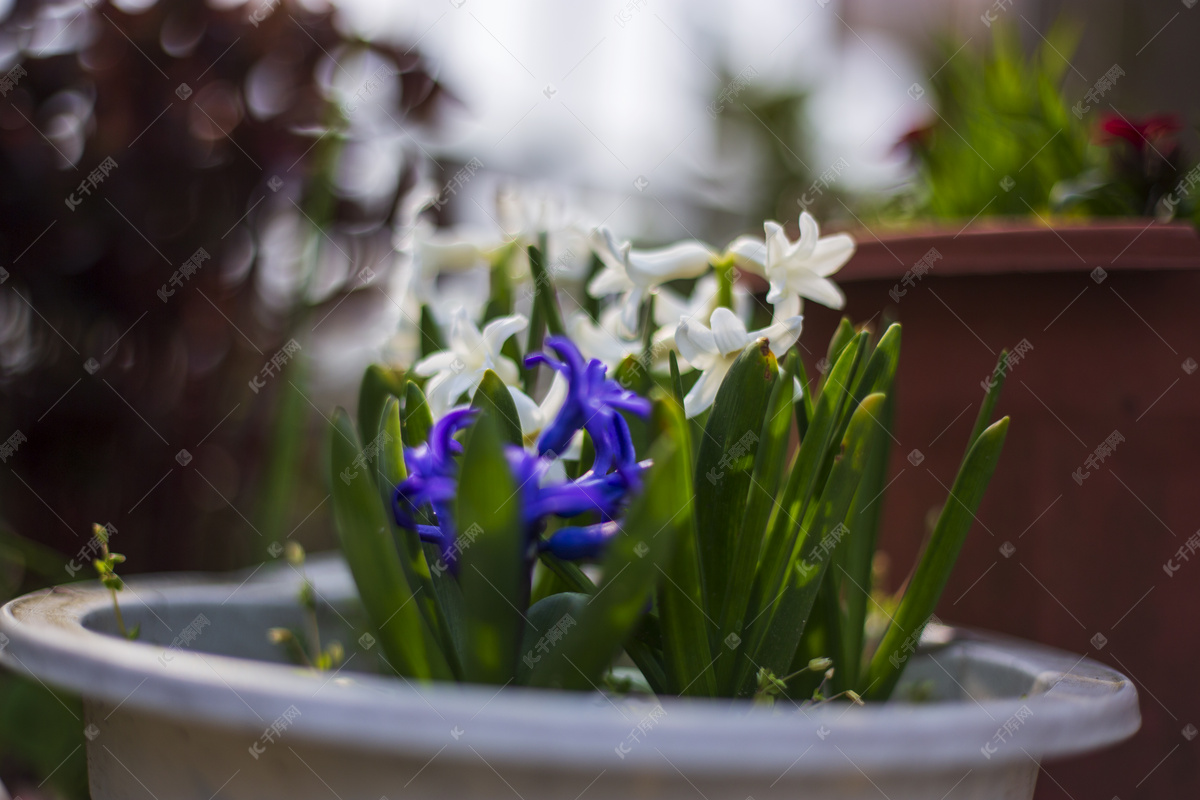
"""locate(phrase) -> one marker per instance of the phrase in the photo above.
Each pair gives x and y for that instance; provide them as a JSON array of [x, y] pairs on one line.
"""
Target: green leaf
[[544, 289], [545, 315], [391, 471], [784, 529], [408, 645], [431, 333], [725, 462], [630, 571], [493, 397], [378, 384], [685, 628], [644, 645], [546, 622], [774, 639], [418, 418], [851, 576], [492, 546], [805, 408], [995, 385], [769, 461], [842, 337], [937, 561]]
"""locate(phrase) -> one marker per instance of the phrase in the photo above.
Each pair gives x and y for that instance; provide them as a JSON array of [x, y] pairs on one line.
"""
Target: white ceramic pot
[[201, 707]]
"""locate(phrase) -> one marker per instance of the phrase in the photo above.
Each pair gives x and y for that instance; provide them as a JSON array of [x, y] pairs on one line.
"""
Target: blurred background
[[207, 223]]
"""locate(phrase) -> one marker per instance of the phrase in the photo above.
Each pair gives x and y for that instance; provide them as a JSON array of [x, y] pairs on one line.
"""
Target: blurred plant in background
[[188, 191], [1003, 136], [1141, 163], [1007, 141], [768, 124]]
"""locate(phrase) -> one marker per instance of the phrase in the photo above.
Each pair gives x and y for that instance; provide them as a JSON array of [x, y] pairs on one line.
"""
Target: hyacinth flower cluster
[[584, 455], [593, 403]]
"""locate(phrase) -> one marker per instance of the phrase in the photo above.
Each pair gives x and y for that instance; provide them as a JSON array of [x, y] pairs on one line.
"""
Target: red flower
[[1138, 132]]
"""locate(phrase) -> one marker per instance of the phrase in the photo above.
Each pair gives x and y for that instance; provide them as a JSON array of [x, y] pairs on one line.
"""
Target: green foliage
[[733, 566], [1004, 135]]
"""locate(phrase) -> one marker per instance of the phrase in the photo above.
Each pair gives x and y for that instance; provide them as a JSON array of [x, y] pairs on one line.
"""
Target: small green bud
[[308, 596], [279, 635], [294, 553]]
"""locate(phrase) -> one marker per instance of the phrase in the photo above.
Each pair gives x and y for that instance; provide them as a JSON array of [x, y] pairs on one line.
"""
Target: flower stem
[[724, 273]]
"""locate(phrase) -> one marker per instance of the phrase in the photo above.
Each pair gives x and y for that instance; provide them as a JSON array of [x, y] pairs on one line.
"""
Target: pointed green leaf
[[407, 644], [936, 562], [851, 577], [773, 644], [492, 546], [391, 471], [378, 384], [431, 333], [494, 398], [726, 461], [769, 461], [544, 294], [685, 628], [784, 529], [418, 418], [994, 386]]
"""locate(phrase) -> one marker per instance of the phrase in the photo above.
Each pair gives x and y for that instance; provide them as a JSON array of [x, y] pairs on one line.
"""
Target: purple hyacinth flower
[[603, 494], [593, 402], [580, 542], [433, 480]]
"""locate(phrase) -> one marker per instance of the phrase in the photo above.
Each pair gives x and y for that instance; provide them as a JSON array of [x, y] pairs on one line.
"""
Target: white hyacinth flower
[[471, 353], [796, 269], [714, 349], [635, 274]]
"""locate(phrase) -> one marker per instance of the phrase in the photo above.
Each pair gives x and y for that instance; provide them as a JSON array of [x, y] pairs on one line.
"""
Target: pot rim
[[1087, 705]]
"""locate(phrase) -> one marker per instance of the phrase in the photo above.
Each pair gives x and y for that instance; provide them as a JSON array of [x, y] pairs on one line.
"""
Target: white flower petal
[[777, 245], [788, 306], [506, 370], [435, 363], [496, 332], [556, 395], [527, 411], [612, 253], [601, 341], [688, 259], [729, 332], [694, 340], [631, 304], [444, 389], [779, 288], [670, 306], [823, 290], [608, 281], [749, 253], [782, 335], [831, 254], [465, 339], [810, 233], [436, 253], [704, 391]]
